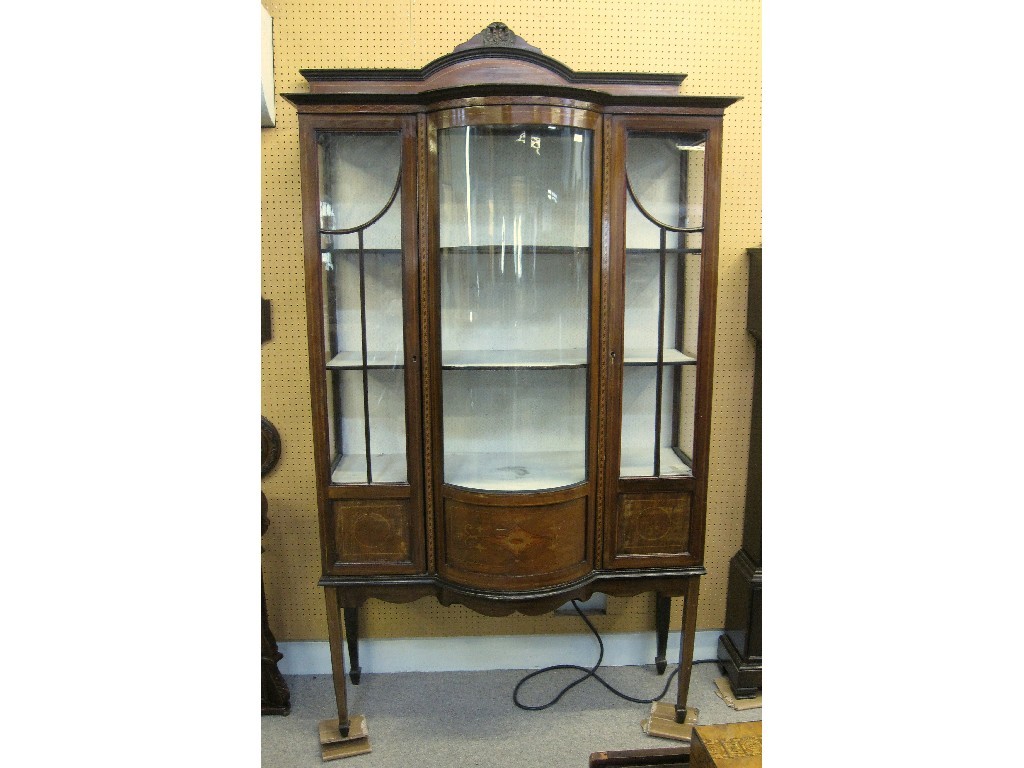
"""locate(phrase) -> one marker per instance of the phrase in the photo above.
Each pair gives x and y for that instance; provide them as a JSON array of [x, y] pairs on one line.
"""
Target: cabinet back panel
[[718, 45]]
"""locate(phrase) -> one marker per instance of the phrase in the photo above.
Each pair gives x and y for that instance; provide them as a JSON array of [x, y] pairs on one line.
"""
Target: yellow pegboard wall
[[718, 46]]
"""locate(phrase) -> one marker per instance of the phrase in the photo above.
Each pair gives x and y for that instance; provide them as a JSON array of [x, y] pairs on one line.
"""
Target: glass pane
[[664, 216], [358, 172], [514, 187], [685, 388], [360, 193], [385, 396], [674, 433], [381, 283], [502, 308], [515, 222], [509, 430], [666, 172]]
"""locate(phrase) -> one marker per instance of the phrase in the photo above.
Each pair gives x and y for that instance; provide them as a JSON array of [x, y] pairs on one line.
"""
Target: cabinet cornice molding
[[612, 102]]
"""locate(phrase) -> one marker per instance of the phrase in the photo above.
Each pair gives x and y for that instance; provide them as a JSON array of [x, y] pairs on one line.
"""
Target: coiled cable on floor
[[588, 673]]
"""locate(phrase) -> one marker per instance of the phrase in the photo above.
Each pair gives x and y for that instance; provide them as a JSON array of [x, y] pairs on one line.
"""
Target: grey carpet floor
[[441, 719]]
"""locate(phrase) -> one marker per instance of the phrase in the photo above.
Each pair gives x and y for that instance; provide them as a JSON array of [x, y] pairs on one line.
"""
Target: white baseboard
[[448, 654]]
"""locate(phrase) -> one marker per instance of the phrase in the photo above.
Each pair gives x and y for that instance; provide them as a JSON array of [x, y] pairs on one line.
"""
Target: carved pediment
[[496, 35]]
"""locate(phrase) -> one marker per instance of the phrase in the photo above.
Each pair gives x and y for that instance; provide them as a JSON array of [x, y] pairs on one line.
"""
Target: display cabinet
[[511, 276]]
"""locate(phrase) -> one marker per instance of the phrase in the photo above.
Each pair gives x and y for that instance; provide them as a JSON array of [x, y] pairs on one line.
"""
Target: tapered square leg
[[335, 634], [662, 610], [686, 646], [341, 737], [352, 637]]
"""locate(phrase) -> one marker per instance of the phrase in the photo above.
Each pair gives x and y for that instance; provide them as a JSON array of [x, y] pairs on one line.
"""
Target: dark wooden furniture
[[276, 699], [739, 647], [511, 280]]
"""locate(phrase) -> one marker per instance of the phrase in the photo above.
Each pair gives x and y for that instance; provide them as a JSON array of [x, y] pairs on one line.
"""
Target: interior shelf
[[670, 356], [348, 359], [657, 251], [515, 250], [366, 251], [641, 464], [520, 471], [387, 468], [513, 358]]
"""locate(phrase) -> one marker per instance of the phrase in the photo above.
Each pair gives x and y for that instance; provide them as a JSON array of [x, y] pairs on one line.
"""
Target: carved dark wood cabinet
[[511, 277], [739, 648], [276, 699]]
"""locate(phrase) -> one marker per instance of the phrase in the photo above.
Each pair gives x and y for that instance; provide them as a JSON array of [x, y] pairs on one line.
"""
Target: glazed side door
[[359, 206], [663, 227]]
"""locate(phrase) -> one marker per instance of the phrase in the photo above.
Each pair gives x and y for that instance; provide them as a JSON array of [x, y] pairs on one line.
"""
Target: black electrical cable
[[589, 673]]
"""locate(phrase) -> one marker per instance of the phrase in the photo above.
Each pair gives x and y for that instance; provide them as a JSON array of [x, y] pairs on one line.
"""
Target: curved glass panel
[[666, 172], [514, 267], [361, 255], [358, 173], [664, 220]]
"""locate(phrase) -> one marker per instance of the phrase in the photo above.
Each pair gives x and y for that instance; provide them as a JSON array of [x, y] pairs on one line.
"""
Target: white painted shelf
[[513, 358], [642, 464], [348, 359], [522, 471], [504, 358], [387, 468], [650, 357]]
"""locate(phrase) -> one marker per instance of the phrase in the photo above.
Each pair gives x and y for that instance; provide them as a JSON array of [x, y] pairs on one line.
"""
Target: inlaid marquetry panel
[[539, 545], [650, 529], [371, 531], [654, 524]]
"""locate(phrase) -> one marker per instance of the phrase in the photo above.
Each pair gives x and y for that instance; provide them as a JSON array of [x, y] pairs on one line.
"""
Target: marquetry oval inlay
[[515, 541], [653, 524], [371, 531]]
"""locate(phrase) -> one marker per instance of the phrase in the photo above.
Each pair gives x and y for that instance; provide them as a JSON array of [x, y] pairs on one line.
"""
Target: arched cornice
[[494, 56]]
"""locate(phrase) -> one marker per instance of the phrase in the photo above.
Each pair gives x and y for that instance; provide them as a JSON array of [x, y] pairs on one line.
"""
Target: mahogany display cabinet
[[511, 280]]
